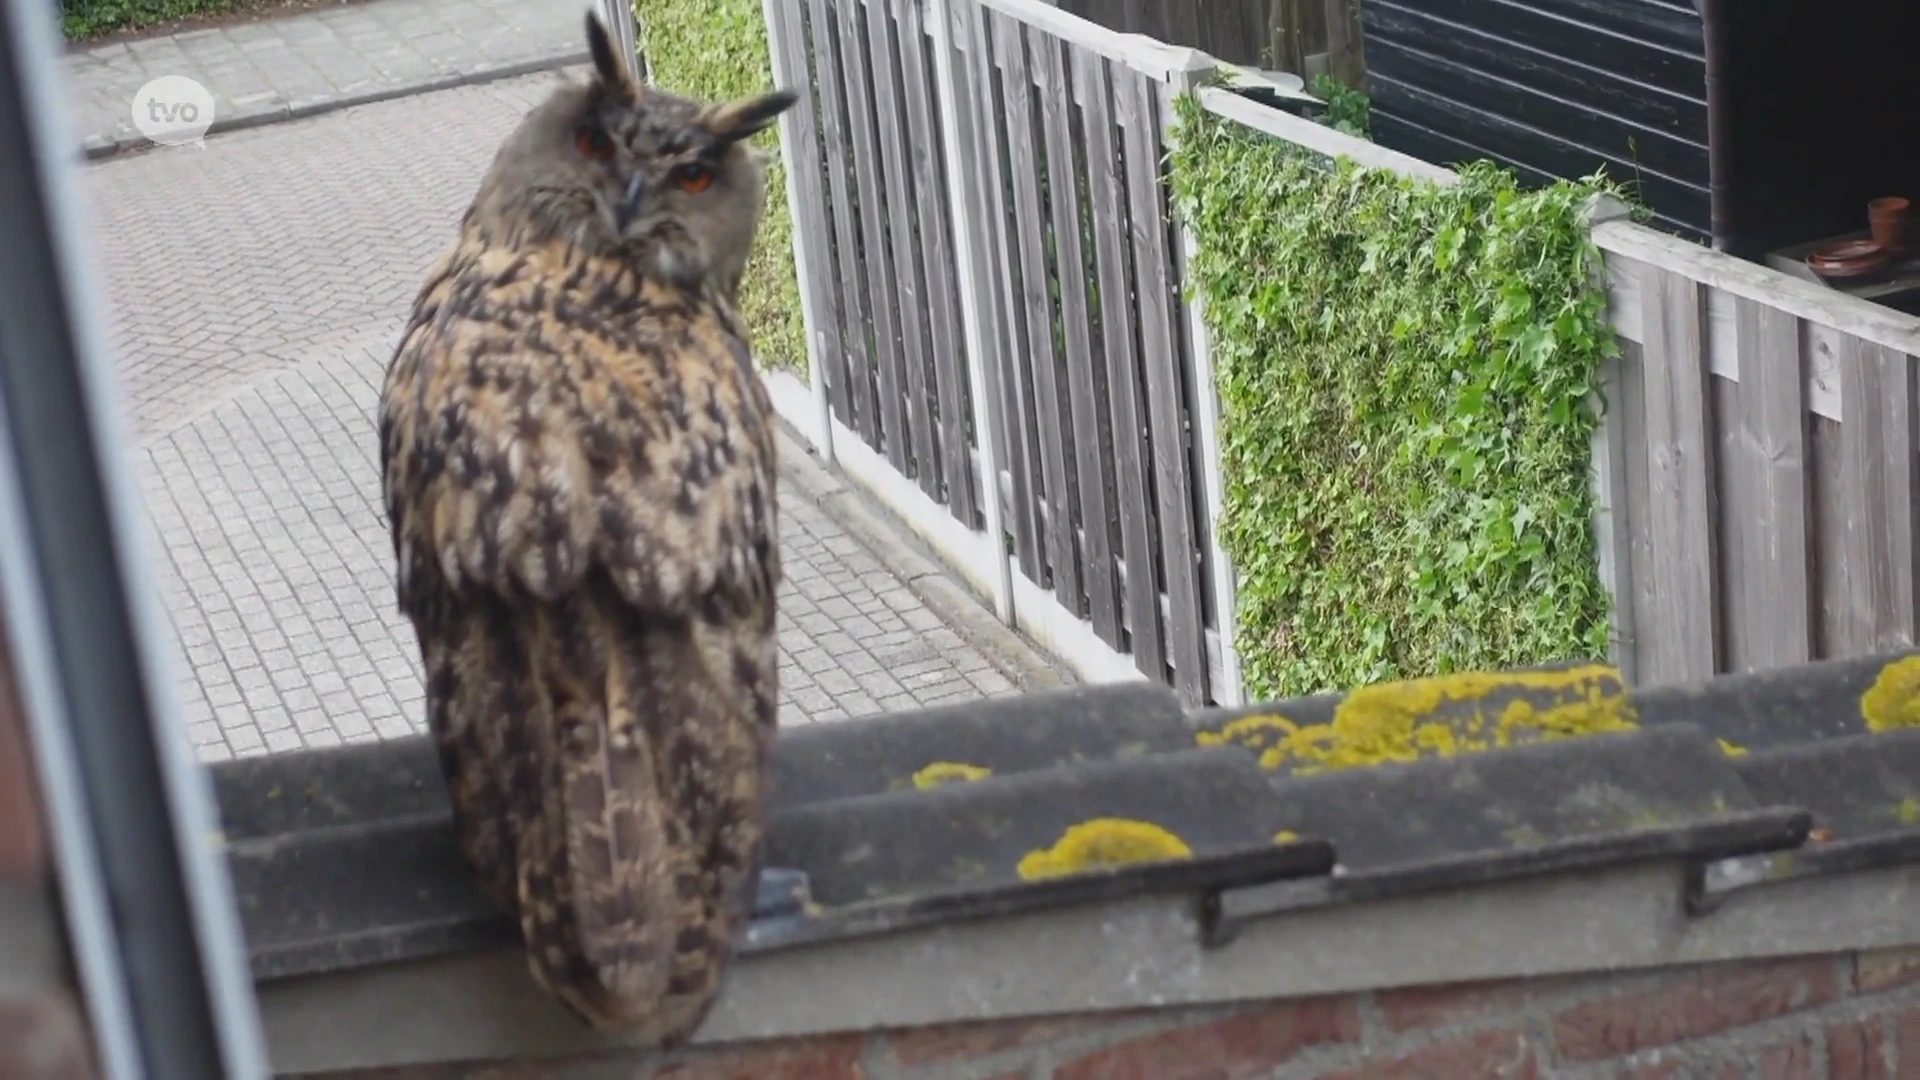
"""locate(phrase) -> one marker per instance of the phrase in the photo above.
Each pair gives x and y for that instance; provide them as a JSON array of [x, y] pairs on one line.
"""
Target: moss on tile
[[1439, 717], [1103, 842], [1893, 701], [949, 772]]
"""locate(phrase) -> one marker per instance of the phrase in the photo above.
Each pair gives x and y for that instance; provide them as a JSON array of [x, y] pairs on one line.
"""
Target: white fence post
[[1184, 75], [971, 297], [780, 40], [1612, 532]]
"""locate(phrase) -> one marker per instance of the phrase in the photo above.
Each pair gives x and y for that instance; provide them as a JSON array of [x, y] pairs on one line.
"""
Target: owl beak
[[630, 201]]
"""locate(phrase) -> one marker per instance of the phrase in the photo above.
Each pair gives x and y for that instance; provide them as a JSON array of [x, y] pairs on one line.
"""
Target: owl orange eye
[[593, 143], [693, 177]]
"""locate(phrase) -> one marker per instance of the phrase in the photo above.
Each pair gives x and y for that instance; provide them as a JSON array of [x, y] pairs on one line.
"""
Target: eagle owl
[[578, 468]]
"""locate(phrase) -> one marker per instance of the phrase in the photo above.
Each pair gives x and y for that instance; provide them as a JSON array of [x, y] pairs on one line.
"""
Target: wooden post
[[1346, 43], [972, 295], [815, 309], [1228, 689], [1612, 529]]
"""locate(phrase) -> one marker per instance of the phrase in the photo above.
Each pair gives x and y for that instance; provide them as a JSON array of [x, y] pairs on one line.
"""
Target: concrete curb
[[99, 150], [1009, 651]]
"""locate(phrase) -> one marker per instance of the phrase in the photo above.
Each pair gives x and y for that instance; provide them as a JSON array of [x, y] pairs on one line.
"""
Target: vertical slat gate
[[1112, 248]]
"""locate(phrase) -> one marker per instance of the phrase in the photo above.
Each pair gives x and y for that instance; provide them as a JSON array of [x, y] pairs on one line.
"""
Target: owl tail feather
[[614, 913]]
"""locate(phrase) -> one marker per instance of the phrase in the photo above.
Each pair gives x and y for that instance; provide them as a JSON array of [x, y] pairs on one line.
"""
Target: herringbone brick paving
[[259, 286]]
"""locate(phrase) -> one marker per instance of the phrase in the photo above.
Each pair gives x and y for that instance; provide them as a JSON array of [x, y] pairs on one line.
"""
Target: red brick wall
[[41, 1035], [1820, 1018]]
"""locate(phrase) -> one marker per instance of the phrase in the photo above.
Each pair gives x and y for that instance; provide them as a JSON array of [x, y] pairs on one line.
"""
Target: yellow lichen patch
[[1449, 714], [1259, 733], [1103, 842], [1285, 836], [949, 772], [1907, 810], [1893, 701], [1731, 749]]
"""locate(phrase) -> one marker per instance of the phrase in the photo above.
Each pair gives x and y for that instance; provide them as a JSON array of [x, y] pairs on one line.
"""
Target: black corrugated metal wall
[[1550, 88]]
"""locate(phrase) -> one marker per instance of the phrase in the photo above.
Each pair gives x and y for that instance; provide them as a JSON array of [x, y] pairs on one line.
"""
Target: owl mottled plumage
[[579, 471]]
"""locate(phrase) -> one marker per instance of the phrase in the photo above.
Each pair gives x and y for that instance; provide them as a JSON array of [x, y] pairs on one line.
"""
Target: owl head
[[626, 170]]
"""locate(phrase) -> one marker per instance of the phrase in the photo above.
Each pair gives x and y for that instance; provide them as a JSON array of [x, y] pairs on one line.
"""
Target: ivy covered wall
[[1404, 373]]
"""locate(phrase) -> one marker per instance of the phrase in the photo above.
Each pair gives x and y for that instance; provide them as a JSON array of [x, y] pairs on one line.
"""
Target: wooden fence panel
[[910, 438], [1040, 357], [1010, 396], [1112, 245], [856, 393], [1782, 498], [1685, 611], [1160, 334], [968, 181], [860, 97], [1085, 405], [938, 267], [1768, 565], [1057, 136], [1877, 483]]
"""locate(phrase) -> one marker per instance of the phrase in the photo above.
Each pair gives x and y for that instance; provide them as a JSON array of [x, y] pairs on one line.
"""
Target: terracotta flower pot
[[1888, 219]]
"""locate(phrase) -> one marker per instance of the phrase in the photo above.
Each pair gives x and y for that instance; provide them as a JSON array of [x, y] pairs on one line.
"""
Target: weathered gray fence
[[993, 289], [1762, 464], [1058, 331], [872, 204], [1757, 472]]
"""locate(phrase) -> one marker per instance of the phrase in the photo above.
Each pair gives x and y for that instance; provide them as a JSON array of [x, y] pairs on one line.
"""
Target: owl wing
[[535, 431]]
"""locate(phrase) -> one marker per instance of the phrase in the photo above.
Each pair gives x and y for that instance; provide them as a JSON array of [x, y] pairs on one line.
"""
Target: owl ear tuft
[[748, 116], [607, 67]]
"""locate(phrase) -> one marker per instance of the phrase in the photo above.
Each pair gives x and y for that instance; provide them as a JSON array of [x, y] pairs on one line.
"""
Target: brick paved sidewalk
[[304, 64], [258, 287], [280, 582]]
